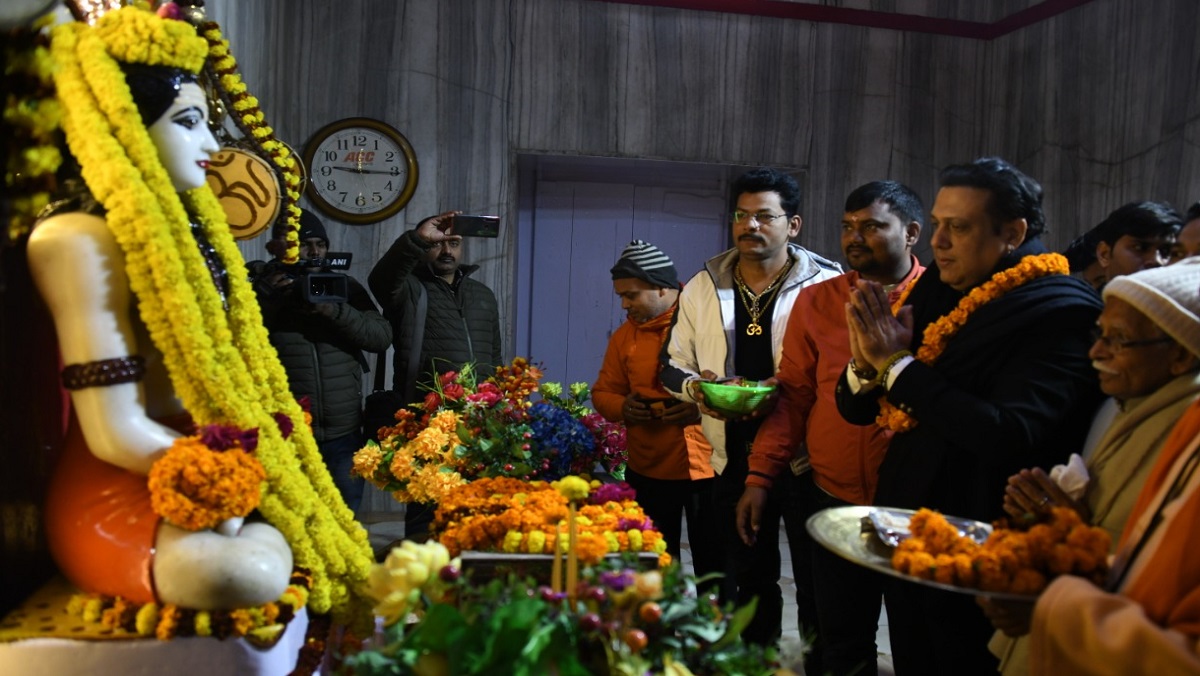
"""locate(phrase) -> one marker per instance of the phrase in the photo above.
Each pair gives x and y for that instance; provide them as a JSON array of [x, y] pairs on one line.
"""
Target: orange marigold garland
[[206, 479], [510, 515], [938, 334]]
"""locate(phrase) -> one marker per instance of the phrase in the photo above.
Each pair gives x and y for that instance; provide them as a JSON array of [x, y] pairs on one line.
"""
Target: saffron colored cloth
[[1123, 459], [656, 450], [99, 523], [844, 457], [1153, 624]]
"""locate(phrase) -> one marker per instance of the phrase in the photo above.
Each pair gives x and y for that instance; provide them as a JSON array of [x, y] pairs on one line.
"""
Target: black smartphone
[[475, 226]]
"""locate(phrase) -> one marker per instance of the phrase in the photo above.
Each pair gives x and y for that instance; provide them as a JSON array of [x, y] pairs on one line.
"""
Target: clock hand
[[363, 171]]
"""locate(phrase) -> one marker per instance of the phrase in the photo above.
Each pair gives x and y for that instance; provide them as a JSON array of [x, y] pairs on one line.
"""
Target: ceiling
[[978, 19]]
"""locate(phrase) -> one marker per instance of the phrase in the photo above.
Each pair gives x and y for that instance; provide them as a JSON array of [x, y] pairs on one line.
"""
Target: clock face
[[360, 170]]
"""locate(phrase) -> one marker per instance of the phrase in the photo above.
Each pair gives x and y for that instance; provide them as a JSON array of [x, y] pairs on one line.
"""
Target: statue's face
[[183, 140]]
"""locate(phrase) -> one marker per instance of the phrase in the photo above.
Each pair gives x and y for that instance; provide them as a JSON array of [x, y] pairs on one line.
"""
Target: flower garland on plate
[[219, 361], [31, 114], [938, 334], [261, 625], [250, 120]]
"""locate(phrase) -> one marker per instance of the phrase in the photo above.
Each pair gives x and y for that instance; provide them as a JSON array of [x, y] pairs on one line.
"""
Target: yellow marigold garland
[[250, 120], [938, 334], [220, 362], [262, 625], [510, 515]]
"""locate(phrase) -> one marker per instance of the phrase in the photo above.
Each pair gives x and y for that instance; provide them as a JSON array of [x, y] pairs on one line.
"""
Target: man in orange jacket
[[881, 223], [668, 454]]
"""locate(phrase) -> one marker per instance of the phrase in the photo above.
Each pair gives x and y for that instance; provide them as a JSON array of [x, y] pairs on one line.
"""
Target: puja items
[[1009, 561]]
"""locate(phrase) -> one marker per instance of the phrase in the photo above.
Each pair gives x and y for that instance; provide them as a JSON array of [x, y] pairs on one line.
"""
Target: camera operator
[[320, 337]]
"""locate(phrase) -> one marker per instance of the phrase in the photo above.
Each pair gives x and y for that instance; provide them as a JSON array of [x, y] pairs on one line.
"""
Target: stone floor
[[384, 530]]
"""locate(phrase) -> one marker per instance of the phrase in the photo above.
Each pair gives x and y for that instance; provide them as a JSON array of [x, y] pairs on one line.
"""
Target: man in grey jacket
[[730, 322], [321, 347]]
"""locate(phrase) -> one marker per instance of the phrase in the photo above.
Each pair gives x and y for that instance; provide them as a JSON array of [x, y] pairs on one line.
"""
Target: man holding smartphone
[[668, 454], [441, 319]]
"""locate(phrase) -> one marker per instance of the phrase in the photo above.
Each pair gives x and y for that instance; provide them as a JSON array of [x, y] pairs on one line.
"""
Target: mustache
[[1103, 368], [756, 238], [446, 259]]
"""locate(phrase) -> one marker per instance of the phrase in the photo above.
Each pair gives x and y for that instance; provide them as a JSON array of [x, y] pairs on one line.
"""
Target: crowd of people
[[957, 386], [965, 384]]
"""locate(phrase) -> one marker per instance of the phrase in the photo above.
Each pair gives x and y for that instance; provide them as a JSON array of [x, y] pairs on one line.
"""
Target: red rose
[[432, 402], [453, 392]]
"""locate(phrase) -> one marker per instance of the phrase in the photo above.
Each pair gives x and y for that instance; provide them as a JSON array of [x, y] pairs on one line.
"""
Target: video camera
[[314, 280]]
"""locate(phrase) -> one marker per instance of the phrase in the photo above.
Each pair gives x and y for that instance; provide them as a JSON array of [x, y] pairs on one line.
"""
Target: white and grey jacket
[[701, 338]]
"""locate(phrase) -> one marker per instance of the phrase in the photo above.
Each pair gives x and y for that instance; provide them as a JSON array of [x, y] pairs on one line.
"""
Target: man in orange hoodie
[[668, 454]]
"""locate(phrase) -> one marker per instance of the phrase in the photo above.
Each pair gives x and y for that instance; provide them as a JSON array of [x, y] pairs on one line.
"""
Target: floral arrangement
[[514, 516], [1013, 561], [262, 625], [621, 621], [467, 430], [206, 479], [31, 114], [938, 334], [215, 349]]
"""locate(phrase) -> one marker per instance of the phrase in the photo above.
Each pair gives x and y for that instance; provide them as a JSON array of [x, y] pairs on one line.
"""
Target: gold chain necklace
[[754, 304]]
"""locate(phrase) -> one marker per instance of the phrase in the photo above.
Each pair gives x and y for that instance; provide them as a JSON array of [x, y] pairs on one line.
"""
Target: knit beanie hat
[[644, 261], [1169, 296], [311, 226]]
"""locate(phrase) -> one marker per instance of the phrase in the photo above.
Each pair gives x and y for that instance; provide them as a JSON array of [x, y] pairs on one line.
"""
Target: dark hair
[[1014, 195], [1081, 252], [900, 199], [154, 88], [770, 180], [1193, 212], [1141, 220]]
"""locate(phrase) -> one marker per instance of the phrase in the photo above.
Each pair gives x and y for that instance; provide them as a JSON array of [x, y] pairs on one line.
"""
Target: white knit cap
[[1169, 296]]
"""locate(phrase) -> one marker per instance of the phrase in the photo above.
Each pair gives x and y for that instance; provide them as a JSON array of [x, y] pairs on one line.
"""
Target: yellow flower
[[573, 488], [367, 459], [397, 583]]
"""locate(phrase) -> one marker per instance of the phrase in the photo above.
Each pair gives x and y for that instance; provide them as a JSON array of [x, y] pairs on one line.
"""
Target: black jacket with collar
[[1013, 389], [462, 322]]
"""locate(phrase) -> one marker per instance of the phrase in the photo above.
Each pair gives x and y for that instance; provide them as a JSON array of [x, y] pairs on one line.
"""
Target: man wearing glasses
[[730, 323]]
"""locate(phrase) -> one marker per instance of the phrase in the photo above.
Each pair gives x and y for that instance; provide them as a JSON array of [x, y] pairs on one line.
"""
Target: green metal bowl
[[734, 400]]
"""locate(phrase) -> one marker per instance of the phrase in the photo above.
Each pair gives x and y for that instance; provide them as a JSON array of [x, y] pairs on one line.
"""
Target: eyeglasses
[[762, 217], [1116, 345]]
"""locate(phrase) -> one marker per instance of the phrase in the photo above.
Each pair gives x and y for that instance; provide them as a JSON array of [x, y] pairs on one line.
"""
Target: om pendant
[[754, 329]]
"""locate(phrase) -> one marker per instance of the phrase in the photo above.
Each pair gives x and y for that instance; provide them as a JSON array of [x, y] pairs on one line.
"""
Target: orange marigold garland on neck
[[938, 334]]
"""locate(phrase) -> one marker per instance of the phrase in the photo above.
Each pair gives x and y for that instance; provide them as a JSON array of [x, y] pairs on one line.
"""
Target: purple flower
[[225, 437], [286, 426], [617, 581]]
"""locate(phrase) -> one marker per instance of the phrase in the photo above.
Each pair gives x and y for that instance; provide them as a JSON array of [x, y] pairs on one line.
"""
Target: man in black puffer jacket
[[461, 320], [321, 347]]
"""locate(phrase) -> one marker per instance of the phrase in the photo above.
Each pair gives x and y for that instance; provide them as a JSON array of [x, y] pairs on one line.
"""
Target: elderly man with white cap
[[1147, 354]]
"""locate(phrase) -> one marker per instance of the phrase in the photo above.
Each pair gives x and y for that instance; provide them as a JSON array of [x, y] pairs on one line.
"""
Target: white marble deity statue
[[159, 332]]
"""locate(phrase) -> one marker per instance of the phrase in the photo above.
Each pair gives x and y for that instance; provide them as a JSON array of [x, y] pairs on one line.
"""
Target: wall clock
[[360, 170]]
